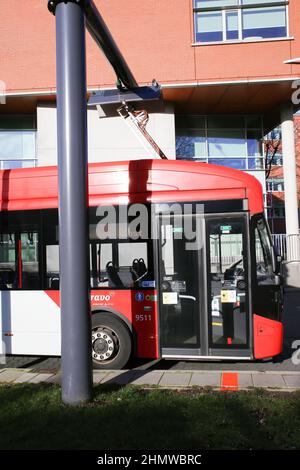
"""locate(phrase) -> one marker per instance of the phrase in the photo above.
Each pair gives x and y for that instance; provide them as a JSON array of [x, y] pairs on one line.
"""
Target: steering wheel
[[238, 274]]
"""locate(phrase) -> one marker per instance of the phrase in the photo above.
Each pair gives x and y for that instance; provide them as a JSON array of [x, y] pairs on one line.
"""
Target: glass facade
[[234, 141], [230, 20], [17, 141]]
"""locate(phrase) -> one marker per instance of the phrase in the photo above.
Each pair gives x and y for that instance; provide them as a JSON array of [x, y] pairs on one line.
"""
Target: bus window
[[51, 249], [19, 261], [119, 265], [263, 255], [29, 261], [52, 264], [227, 279], [8, 274], [100, 256], [133, 262]]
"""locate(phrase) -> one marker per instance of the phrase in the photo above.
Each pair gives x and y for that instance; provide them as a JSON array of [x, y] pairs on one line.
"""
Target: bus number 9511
[[145, 317]]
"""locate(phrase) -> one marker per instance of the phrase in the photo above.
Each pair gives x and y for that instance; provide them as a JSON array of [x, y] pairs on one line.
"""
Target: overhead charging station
[[72, 18]]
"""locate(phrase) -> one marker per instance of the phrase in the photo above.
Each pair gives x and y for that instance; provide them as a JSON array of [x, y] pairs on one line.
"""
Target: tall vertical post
[[73, 200], [290, 182]]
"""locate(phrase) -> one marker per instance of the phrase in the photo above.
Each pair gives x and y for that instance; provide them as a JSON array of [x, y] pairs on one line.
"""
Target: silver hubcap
[[104, 344]]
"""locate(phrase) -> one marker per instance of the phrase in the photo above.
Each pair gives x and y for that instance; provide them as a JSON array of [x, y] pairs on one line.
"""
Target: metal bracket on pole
[[52, 4], [126, 98], [101, 35]]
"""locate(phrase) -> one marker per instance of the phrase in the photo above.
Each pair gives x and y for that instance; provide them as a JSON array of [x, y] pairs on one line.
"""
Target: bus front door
[[228, 286], [204, 287], [181, 273]]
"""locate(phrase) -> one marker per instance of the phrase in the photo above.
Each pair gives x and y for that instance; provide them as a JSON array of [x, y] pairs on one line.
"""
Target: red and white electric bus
[[151, 297]]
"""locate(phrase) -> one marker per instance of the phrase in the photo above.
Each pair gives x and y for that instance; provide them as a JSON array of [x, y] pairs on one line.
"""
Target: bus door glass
[[228, 322], [267, 290], [181, 289]]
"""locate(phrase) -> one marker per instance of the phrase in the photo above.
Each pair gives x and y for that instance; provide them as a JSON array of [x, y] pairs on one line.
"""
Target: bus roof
[[133, 181]]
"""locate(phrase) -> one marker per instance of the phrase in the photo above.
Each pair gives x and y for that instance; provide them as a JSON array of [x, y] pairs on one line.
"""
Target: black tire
[[111, 342]]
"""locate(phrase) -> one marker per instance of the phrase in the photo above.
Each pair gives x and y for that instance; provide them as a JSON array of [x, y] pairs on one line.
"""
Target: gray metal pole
[[73, 200]]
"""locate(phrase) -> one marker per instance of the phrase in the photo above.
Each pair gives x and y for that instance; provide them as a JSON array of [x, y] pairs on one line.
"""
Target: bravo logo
[[100, 297]]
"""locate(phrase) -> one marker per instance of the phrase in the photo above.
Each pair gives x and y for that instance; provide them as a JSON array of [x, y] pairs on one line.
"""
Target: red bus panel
[[268, 337], [138, 307], [131, 182]]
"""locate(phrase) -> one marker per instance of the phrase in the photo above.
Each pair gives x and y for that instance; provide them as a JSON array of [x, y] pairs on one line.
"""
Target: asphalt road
[[280, 363]]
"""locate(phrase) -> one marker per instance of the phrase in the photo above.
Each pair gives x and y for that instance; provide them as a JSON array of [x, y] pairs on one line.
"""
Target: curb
[[166, 379]]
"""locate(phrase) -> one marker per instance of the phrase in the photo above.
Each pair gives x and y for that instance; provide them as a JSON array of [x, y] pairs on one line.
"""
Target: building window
[[276, 160], [273, 147], [231, 20], [277, 212], [17, 142], [234, 141], [275, 184]]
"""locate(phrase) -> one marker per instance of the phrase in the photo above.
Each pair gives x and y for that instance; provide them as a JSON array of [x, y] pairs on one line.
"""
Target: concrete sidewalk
[[218, 380]]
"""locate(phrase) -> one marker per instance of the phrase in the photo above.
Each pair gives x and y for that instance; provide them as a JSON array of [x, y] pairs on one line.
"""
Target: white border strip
[[197, 84], [296, 60], [240, 41], [229, 82]]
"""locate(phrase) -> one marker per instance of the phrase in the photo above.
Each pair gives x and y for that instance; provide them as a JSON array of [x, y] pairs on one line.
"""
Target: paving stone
[[149, 378], [245, 380], [268, 380], [26, 377], [8, 376], [55, 379], [176, 379], [40, 378], [99, 376], [211, 379], [119, 377], [110, 375], [292, 380]]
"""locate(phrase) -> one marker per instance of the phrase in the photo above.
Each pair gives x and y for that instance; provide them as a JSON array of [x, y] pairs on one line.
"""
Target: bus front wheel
[[111, 342]]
